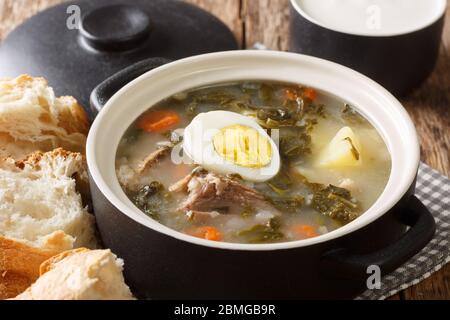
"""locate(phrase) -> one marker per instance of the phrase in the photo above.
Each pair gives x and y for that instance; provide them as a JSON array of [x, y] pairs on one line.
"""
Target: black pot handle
[[105, 90], [341, 263]]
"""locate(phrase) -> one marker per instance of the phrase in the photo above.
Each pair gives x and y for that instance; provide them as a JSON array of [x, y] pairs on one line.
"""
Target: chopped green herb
[[291, 204], [275, 118], [216, 97], [238, 105], [334, 202], [248, 211], [281, 183], [263, 233], [350, 115], [354, 151], [315, 109], [276, 189], [280, 194], [151, 198], [219, 99], [266, 93], [295, 142]]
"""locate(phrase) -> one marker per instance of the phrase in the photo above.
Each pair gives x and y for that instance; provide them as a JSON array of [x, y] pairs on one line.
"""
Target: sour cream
[[372, 17]]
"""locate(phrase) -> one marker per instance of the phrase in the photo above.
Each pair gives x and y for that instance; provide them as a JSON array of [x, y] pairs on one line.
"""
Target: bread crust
[[19, 266], [34, 158], [50, 263]]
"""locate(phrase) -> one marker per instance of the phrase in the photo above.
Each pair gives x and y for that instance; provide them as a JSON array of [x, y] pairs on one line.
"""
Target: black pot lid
[[113, 34]]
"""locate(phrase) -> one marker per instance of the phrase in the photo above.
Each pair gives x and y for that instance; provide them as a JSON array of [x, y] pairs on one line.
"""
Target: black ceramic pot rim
[[382, 109], [441, 7]]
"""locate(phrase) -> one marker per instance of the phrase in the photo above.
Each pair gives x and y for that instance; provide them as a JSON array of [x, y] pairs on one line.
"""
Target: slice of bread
[[32, 118], [80, 274], [42, 211]]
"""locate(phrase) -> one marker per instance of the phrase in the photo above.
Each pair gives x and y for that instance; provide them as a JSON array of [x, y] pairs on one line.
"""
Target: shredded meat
[[208, 192], [182, 185], [153, 158]]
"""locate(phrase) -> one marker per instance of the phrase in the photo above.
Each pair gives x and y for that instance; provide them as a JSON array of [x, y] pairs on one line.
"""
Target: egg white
[[198, 145]]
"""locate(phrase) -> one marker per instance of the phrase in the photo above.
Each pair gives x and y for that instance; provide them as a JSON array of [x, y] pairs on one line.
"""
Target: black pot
[[400, 62], [161, 263]]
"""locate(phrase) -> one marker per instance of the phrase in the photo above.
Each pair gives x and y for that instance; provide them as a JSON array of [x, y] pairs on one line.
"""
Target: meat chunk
[[182, 185], [208, 192], [153, 158]]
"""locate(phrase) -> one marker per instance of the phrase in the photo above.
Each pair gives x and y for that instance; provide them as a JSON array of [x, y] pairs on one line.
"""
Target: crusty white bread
[[80, 274], [42, 211], [32, 118]]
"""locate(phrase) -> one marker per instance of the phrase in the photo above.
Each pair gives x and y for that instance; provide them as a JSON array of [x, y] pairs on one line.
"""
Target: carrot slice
[[208, 233], [158, 121], [303, 231], [310, 94]]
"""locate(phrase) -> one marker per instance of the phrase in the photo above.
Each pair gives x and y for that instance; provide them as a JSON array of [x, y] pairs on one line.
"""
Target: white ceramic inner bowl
[[369, 98]]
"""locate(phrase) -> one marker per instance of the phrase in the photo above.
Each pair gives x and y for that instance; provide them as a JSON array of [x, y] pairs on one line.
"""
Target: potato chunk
[[344, 150]]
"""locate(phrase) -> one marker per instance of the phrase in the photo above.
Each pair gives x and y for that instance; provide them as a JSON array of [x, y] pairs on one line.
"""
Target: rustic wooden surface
[[266, 21]]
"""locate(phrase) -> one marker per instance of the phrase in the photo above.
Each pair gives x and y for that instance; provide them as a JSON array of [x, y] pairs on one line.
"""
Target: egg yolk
[[243, 146]]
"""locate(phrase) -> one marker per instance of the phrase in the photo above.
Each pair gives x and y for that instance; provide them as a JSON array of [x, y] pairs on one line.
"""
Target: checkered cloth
[[433, 189]]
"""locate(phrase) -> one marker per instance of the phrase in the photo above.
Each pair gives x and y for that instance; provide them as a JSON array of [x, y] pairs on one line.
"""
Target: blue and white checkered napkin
[[433, 189]]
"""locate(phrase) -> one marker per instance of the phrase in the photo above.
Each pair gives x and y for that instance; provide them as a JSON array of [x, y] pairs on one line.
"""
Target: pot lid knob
[[115, 27]]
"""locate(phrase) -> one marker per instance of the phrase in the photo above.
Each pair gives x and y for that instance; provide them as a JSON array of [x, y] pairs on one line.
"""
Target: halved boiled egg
[[230, 143]]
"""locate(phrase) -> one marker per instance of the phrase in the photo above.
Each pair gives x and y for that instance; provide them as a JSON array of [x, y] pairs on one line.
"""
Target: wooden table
[[266, 21]]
